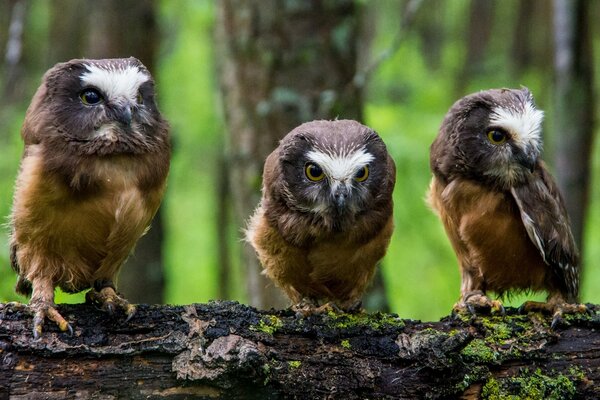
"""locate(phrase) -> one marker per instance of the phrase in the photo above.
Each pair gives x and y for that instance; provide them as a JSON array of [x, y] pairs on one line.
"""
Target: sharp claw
[[471, 309], [131, 309], [110, 308], [37, 332], [501, 309], [556, 321]]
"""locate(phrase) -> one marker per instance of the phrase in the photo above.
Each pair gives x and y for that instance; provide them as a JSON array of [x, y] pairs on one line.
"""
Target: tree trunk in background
[[478, 33], [533, 49], [574, 112], [13, 50], [432, 31], [111, 29], [281, 64]]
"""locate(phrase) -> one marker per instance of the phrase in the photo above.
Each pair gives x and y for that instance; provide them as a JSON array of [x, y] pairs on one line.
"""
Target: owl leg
[[555, 305], [42, 305], [473, 298], [105, 295]]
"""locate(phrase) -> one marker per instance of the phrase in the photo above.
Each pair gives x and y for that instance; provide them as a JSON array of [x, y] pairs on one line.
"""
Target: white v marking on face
[[341, 167], [115, 82], [523, 124]]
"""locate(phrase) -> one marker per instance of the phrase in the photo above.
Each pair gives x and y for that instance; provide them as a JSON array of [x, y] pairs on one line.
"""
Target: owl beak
[[339, 197], [123, 115], [527, 160]]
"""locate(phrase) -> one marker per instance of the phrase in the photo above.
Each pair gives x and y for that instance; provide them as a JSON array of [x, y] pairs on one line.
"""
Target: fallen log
[[232, 351]]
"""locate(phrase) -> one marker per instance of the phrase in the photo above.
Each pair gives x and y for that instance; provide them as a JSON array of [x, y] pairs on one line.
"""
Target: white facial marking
[[115, 82], [523, 124], [341, 168]]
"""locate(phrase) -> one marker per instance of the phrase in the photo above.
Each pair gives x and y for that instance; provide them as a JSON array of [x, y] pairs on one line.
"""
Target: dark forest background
[[233, 77]]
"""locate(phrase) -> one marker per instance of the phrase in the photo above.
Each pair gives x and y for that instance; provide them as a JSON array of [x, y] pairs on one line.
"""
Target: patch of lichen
[[532, 386], [479, 351], [294, 364], [268, 324], [511, 336], [376, 321]]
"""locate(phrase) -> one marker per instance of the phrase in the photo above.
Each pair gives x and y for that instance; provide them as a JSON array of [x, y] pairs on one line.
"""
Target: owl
[[325, 217], [91, 178], [499, 205]]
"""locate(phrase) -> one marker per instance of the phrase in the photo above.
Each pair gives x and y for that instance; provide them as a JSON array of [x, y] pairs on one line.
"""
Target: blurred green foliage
[[406, 101]]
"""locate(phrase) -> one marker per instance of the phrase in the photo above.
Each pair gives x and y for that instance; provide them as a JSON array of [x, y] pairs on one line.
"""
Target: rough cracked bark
[[231, 351]]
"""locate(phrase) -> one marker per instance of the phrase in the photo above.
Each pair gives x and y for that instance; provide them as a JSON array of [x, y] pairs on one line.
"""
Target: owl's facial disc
[[118, 89], [344, 174], [515, 131]]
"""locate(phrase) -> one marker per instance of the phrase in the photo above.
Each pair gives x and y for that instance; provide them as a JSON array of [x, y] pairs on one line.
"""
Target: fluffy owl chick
[[325, 218], [500, 206], [92, 176]]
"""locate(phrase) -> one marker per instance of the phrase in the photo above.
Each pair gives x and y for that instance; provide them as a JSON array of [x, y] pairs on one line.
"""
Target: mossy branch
[[231, 351]]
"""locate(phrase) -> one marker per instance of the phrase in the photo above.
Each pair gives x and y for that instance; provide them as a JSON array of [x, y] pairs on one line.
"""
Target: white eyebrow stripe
[[524, 124], [115, 82], [341, 167]]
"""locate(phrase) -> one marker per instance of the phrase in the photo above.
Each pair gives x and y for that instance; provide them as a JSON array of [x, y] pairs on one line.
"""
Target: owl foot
[[108, 299], [477, 302], [557, 308], [41, 311], [308, 307]]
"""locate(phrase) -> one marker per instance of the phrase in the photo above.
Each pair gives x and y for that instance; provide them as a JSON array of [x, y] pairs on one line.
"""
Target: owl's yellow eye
[[362, 174], [90, 97], [139, 98], [496, 136], [314, 172]]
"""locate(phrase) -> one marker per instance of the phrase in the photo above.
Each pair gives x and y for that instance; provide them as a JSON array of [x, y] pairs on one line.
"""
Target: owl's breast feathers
[[306, 261], [493, 240], [69, 223]]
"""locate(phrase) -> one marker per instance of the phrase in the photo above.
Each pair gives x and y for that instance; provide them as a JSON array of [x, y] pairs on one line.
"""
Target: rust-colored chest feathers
[[325, 218], [499, 205]]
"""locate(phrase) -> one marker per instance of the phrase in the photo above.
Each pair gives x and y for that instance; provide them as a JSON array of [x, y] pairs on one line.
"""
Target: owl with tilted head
[[499, 205], [325, 217], [92, 176]]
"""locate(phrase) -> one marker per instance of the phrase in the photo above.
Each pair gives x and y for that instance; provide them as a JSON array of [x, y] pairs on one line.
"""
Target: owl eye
[[314, 172], [140, 98], [90, 97], [496, 136], [362, 174]]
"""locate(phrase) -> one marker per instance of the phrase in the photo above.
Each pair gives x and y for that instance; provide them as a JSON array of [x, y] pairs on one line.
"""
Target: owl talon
[[477, 302], [108, 300], [43, 310], [556, 307], [557, 320]]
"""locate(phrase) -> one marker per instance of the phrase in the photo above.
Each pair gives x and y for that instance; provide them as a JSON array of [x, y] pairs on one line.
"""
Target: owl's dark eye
[[496, 136], [362, 174], [314, 172], [91, 97]]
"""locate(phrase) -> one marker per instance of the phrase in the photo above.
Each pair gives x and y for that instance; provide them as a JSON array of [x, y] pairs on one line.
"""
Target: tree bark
[[280, 64], [231, 351], [575, 105]]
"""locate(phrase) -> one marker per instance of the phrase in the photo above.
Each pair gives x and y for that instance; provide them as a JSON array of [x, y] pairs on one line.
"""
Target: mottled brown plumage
[[320, 240], [500, 207], [92, 176]]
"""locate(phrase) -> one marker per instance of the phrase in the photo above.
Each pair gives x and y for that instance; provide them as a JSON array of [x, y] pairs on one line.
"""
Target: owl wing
[[546, 221]]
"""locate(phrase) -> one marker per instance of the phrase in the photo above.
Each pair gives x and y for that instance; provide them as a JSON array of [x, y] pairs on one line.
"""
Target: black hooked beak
[[527, 160], [123, 114], [340, 196]]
